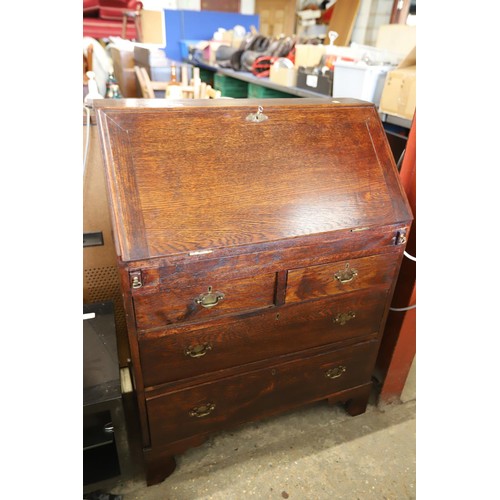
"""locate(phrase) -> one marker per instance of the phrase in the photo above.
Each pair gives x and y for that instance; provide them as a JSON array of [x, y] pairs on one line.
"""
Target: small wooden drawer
[[203, 300], [340, 277], [186, 351], [213, 406]]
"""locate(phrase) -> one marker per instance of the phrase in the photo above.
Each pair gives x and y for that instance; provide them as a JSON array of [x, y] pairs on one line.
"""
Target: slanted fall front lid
[[197, 175]]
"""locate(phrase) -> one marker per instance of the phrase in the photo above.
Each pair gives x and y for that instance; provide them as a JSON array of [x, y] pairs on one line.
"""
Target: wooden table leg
[[357, 405], [158, 470]]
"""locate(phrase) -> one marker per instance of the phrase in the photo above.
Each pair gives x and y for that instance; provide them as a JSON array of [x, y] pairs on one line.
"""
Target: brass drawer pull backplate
[[202, 411], [336, 372], [346, 275], [342, 318], [209, 299], [198, 350]]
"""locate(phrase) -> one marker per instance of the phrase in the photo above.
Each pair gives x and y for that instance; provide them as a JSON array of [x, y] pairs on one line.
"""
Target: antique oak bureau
[[258, 243]]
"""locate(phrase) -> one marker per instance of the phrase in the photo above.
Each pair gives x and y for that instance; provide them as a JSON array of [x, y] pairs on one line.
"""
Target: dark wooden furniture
[[258, 251], [396, 128]]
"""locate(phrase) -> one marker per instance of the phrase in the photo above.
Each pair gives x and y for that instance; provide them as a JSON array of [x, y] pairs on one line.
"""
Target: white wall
[[246, 6], [159, 4], [362, 22], [380, 14], [189, 4], [372, 14]]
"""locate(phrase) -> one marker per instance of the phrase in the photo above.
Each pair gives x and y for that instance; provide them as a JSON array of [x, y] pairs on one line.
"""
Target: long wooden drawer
[[340, 277], [256, 394], [181, 304], [186, 351]]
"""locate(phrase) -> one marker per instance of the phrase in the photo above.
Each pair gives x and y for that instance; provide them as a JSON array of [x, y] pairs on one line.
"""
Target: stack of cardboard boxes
[[399, 93], [384, 74]]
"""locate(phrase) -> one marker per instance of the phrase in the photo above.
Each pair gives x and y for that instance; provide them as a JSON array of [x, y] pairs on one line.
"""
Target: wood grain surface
[[320, 281], [257, 336], [174, 304], [266, 213], [257, 393], [279, 180]]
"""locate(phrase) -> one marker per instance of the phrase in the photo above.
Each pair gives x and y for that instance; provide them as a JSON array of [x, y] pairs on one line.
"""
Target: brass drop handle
[[346, 275], [342, 318], [335, 372], [209, 299], [202, 411], [198, 350]]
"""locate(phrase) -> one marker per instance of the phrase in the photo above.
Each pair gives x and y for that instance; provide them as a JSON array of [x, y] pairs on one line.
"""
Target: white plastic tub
[[360, 80]]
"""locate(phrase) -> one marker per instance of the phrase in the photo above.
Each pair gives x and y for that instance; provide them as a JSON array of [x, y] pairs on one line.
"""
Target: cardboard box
[[308, 55], [153, 27], [283, 76], [399, 93], [231, 38], [398, 38], [123, 66]]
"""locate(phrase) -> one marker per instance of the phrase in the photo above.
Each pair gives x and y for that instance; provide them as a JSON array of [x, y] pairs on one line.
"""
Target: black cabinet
[[104, 429], [397, 137]]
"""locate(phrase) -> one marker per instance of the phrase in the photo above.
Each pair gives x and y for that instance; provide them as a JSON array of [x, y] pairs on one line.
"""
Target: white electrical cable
[[414, 259], [403, 308], [400, 309], [87, 141]]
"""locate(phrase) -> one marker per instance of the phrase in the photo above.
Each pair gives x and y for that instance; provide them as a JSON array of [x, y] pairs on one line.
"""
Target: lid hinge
[[400, 237]]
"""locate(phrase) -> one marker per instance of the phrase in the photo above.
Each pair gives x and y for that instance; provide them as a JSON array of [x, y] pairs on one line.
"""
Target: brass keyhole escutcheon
[[342, 318], [346, 275], [198, 350], [209, 299], [202, 411], [336, 372], [257, 117]]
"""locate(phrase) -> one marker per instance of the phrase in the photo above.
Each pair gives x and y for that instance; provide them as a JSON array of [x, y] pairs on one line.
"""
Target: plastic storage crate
[[230, 87], [184, 46], [360, 81], [257, 91], [207, 76], [308, 80]]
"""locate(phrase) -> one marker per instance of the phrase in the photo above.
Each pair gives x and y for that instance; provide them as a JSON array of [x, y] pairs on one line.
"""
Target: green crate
[[207, 76], [230, 87], [257, 91]]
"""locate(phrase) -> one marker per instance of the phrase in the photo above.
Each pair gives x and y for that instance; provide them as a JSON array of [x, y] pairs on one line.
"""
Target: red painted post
[[399, 343]]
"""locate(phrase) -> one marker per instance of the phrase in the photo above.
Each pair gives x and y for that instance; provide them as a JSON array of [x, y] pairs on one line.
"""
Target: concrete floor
[[314, 453]]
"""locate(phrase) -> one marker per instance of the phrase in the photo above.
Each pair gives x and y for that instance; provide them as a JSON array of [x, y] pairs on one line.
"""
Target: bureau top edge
[[144, 104], [365, 240]]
